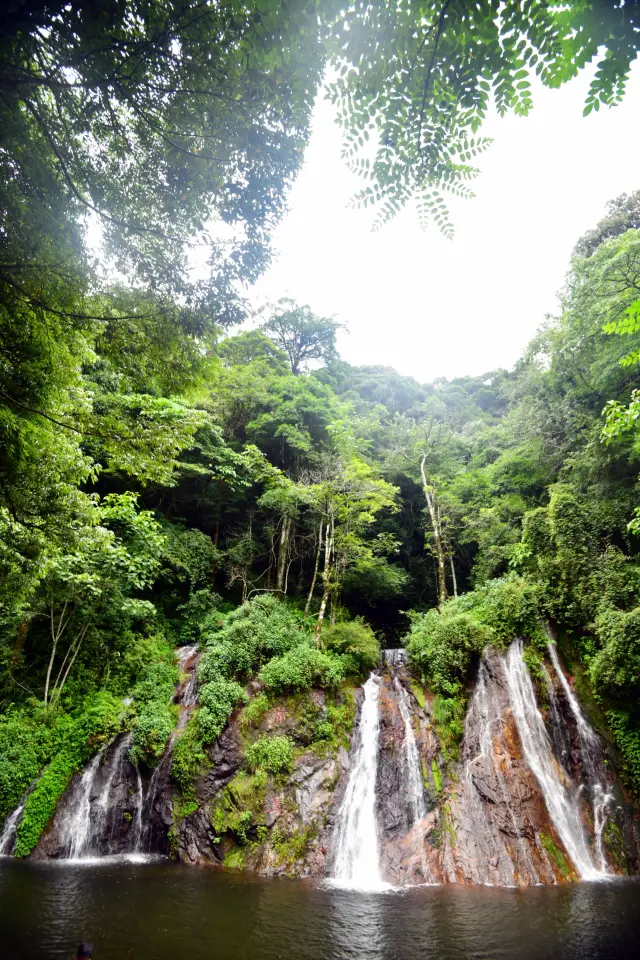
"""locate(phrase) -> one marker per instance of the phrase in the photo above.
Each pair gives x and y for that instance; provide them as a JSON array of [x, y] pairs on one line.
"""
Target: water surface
[[163, 911]]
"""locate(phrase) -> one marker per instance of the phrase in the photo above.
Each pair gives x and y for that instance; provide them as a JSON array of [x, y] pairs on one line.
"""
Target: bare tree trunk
[[326, 576], [283, 551], [77, 643], [315, 570], [438, 545], [56, 633], [321, 612], [453, 576]]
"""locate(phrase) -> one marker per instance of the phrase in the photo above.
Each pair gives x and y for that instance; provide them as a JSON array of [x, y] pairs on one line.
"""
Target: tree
[[301, 335], [623, 214]]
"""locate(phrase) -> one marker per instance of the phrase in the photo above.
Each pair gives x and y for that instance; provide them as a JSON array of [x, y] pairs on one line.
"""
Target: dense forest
[[165, 479]]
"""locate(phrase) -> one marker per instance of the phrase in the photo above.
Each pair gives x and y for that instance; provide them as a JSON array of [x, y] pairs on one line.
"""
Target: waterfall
[[394, 657], [497, 843], [591, 757], [76, 832], [186, 696], [559, 730], [89, 828], [137, 837], [357, 855], [412, 768], [563, 810], [8, 835]]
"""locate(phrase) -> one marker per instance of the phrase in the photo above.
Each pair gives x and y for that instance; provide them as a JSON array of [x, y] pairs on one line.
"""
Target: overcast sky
[[432, 307]]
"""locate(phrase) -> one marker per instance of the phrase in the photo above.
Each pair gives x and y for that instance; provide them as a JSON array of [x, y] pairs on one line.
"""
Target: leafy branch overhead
[[415, 81]]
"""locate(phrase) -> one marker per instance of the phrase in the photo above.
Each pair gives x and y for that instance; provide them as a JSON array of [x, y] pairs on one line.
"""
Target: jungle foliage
[[164, 481]]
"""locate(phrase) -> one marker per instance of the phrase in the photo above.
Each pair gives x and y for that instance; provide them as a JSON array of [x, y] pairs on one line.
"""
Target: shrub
[[509, 607], [261, 628], [616, 666], [151, 730], [156, 718], [626, 731], [188, 758], [355, 641], [217, 700], [273, 754], [443, 645], [301, 669], [448, 718], [23, 750], [255, 711], [158, 682]]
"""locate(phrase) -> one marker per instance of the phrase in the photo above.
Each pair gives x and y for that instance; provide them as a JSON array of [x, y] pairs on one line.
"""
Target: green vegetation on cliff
[[165, 481]]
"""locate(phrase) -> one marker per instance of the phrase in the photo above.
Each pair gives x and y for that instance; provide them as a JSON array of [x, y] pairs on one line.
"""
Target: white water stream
[[564, 809], [591, 759], [412, 769], [357, 855], [75, 834]]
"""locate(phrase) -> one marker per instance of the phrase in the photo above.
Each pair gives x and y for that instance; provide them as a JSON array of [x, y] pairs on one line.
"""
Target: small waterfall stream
[[9, 830], [357, 855], [412, 768], [88, 830], [563, 809], [591, 757], [559, 731], [186, 696]]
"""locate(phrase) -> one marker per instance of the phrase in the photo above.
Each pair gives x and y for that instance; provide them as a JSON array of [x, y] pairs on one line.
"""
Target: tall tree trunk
[[453, 576], [438, 545], [283, 551], [326, 576], [56, 633], [315, 571]]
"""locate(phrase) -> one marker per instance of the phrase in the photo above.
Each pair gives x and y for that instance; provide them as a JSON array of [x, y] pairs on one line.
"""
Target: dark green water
[[162, 911]]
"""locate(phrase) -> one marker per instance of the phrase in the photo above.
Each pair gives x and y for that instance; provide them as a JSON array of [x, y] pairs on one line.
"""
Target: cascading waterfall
[[413, 770], [413, 776], [8, 835], [563, 809], [591, 757], [485, 717], [85, 832], [138, 822], [357, 854], [186, 697], [559, 730], [77, 828]]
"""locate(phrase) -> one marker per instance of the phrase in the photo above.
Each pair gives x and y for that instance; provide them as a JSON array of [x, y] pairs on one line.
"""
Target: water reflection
[[161, 911]]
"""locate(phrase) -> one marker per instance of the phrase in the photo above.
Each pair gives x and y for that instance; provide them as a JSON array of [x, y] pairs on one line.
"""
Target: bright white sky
[[431, 307]]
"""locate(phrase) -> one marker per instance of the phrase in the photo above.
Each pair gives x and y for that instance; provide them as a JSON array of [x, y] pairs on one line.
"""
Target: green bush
[[626, 731], [355, 641], [509, 607], [24, 748], [448, 718], [217, 700], [151, 730], [188, 758], [615, 668], [157, 717], [261, 628], [442, 646], [301, 669], [158, 682], [272, 754], [254, 711]]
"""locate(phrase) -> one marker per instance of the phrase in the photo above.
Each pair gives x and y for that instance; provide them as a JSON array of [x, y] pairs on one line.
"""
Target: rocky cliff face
[[485, 817], [272, 825]]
